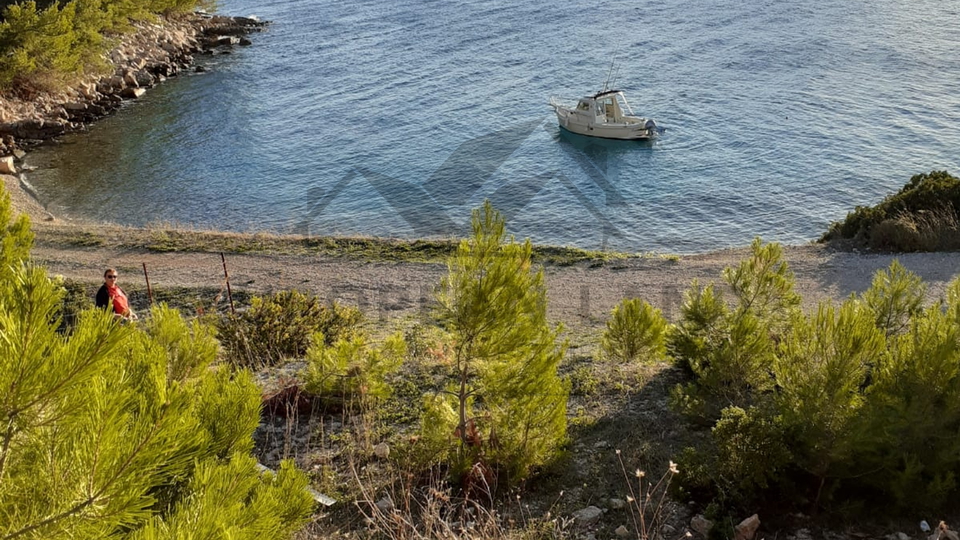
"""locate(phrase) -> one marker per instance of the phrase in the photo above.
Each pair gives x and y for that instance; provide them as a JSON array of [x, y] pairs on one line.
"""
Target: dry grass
[[618, 414], [926, 230]]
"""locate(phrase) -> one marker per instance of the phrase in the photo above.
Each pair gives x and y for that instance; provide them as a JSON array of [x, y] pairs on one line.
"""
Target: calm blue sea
[[395, 119]]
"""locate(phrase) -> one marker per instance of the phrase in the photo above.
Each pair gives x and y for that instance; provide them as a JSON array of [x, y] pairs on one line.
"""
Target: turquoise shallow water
[[395, 120]]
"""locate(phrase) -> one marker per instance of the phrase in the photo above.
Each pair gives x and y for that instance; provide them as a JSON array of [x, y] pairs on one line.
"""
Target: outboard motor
[[651, 126]]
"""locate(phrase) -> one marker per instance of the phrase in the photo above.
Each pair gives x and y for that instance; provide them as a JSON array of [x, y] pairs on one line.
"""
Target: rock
[[803, 534], [747, 528], [902, 536], [668, 530], [75, 106], [18, 153], [701, 525], [617, 504], [6, 165], [587, 516], [622, 531], [924, 526], [130, 79], [244, 42], [382, 450], [34, 129], [144, 78], [132, 93], [385, 504]]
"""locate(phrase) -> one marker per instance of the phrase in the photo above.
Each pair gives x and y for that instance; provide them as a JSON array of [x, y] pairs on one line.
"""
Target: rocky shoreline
[[140, 60]]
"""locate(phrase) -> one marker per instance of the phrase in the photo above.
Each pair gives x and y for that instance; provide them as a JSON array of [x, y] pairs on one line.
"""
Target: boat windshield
[[583, 106]]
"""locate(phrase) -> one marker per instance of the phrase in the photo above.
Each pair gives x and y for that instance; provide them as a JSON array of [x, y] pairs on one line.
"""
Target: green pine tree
[[117, 430], [506, 406]]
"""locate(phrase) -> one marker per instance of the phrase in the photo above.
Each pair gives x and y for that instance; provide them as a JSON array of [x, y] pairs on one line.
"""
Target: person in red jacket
[[111, 292]]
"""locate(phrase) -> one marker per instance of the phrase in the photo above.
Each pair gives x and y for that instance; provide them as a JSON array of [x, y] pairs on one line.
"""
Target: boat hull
[[627, 131]]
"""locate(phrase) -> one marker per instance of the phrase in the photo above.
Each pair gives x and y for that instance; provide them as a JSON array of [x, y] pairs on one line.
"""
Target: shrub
[[635, 330], [936, 229], [281, 326], [861, 400], [349, 370], [922, 216], [729, 349], [125, 431]]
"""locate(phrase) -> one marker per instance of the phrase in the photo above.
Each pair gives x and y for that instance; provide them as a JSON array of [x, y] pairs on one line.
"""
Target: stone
[[382, 450], [144, 78], [75, 106], [130, 79], [587, 516], [622, 531], [385, 504], [6, 165], [617, 504], [668, 530], [902, 536], [701, 525], [747, 528], [244, 42], [132, 93]]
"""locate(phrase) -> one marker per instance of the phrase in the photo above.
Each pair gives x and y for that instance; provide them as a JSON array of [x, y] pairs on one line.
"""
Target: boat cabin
[[606, 106]]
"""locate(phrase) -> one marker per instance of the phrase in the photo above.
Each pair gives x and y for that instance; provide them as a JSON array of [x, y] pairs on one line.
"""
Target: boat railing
[[562, 102]]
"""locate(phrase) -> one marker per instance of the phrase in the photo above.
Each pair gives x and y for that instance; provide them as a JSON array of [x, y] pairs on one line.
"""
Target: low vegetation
[[42, 47], [476, 420], [122, 430], [169, 238], [282, 326], [922, 216]]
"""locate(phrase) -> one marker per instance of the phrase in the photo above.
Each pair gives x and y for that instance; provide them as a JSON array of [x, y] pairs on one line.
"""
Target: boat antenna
[[613, 61], [606, 82]]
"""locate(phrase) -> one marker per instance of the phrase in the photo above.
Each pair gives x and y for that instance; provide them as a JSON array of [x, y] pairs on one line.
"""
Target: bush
[[635, 330], [926, 230], [350, 371], [860, 400], [922, 216], [729, 349], [281, 327]]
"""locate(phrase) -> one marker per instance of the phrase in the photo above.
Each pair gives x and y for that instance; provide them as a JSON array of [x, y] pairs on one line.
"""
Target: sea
[[398, 119]]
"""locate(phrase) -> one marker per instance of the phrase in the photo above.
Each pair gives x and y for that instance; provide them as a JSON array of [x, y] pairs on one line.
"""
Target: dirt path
[[579, 295]]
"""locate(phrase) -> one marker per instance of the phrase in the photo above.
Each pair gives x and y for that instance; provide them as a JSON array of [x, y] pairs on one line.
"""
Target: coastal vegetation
[[472, 419], [922, 216], [116, 430], [45, 46]]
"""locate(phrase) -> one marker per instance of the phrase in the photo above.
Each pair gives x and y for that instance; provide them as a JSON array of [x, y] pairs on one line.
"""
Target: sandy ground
[[579, 295]]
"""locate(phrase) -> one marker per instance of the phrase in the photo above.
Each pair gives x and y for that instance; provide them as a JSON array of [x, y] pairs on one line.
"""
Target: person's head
[[110, 276]]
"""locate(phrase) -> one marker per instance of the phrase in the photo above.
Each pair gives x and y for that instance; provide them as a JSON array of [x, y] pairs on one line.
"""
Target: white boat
[[605, 114]]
